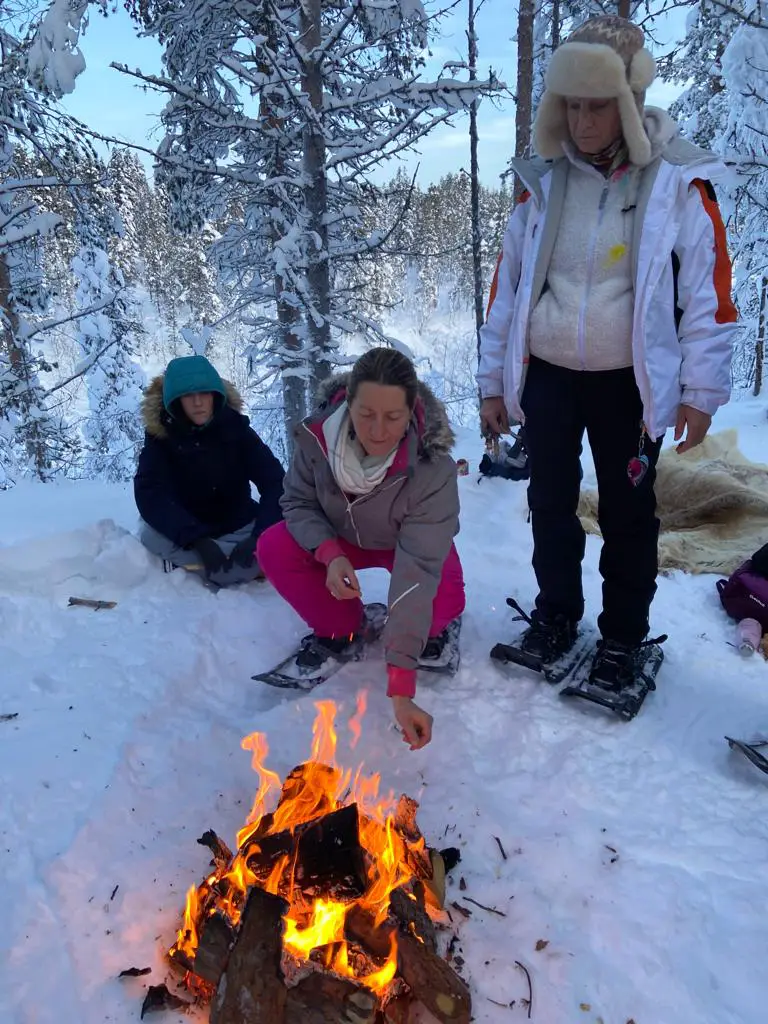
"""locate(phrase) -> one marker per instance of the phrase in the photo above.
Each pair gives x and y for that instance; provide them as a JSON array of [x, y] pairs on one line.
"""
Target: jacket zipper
[[582, 331], [362, 497], [527, 281]]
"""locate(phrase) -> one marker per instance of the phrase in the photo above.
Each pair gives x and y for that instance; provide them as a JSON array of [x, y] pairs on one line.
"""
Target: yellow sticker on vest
[[615, 253]]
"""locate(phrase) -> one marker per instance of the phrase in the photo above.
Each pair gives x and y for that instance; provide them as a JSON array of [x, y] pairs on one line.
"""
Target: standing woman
[[372, 485], [611, 314]]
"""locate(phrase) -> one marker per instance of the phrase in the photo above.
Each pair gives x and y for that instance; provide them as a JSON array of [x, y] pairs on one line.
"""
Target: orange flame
[[257, 743], [379, 980], [356, 721], [311, 791], [324, 733], [186, 940]]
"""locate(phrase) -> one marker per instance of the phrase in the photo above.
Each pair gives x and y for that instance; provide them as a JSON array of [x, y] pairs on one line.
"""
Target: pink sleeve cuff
[[401, 681], [329, 550]]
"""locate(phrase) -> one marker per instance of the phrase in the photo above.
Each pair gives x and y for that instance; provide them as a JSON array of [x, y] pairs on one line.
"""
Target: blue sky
[[114, 104]]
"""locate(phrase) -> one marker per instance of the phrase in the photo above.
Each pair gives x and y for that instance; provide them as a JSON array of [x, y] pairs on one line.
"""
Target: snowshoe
[[751, 751], [317, 659], [442, 654], [554, 650], [619, 679]]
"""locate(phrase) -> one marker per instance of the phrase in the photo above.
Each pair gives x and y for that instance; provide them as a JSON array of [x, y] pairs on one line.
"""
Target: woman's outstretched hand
[[415, 723], [341, 580]]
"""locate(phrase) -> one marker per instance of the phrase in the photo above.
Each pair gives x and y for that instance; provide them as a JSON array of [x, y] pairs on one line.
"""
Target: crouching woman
[[372, 485]]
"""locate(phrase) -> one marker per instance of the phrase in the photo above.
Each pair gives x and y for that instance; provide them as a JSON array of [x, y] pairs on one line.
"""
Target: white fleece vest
[[583, 320]]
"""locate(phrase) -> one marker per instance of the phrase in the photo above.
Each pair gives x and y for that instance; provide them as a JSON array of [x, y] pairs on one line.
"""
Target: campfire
[[328, 909]]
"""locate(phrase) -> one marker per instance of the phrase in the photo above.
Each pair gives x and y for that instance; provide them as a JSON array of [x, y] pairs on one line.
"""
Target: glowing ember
[[314, 922]]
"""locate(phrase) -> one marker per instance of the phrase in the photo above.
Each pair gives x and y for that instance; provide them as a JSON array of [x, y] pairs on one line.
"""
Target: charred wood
[[251, 990]]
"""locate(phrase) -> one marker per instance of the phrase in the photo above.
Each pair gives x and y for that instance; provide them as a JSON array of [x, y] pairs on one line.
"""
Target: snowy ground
[[127, 747]]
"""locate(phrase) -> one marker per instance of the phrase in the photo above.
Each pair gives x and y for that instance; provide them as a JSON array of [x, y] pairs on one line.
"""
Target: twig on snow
[[524, 969], [491, 910], [503, 851]]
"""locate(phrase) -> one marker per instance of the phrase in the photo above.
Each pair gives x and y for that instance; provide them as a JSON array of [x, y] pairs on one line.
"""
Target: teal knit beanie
[[189, 375]]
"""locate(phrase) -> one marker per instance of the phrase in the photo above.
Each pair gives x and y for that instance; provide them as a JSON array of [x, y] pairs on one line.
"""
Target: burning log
[[407, 905], [307, 787], [405, 819], [222, 855], [323, 852], [431, 979], [326, 999], [433, 982], [347, 938], [251, 990], [406, 910], [310, 778], [215, 940], [360, 927], [397, 1010], [406, 826]]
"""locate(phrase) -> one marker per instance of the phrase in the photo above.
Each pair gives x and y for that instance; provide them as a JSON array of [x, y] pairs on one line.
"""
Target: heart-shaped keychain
[[637, 467]]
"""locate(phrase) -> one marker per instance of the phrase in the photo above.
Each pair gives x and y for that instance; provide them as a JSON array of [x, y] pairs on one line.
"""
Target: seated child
[[193, 481]]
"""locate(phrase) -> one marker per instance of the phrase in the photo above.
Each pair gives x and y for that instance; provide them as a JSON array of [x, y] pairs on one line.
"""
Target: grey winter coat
[[414, 511]]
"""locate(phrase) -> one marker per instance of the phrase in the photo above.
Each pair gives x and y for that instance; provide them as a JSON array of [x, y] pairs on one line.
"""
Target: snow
[[54, 55], [127, 747]]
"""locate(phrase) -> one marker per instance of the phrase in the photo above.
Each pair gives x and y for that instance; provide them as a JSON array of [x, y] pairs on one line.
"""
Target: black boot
[[434, 647], [548, 639], [316, 650], [615, 665]]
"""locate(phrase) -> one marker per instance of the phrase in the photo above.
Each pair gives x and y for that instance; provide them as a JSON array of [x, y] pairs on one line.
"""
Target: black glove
[[244, 553], [760, 561], [211, 555]]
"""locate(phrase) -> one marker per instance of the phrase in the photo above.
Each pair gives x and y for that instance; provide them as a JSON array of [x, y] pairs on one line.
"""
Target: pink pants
[[300, 580]]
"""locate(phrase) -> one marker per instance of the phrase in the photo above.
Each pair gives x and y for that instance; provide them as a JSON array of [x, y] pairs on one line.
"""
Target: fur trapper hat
[[605, 58]]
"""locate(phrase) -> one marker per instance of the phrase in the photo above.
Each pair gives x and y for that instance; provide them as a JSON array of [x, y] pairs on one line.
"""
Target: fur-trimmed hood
[[436, 436], [155, 416]]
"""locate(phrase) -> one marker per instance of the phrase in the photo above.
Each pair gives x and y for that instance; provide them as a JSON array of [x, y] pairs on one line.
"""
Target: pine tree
[[284, 110], [743, 143], [701, 110], [131, 196], [32, 437], [108, 335]]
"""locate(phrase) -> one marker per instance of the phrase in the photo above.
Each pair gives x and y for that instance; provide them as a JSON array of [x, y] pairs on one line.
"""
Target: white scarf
[[354, 471]]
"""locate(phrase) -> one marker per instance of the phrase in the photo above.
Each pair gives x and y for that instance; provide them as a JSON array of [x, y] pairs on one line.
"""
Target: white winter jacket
[[678, 252]]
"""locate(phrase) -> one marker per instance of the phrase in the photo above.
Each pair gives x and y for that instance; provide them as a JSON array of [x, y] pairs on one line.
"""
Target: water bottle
[[749, 635]]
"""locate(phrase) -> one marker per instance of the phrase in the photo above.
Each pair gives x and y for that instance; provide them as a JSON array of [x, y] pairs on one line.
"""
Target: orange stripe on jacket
[[494, 286], [726, 311], [524, 196]]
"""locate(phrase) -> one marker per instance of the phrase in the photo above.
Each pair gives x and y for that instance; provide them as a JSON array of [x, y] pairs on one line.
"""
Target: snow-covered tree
[[281, 110], [744, 145], [108, 333], [697, 62], [35, 64], [131, 195]]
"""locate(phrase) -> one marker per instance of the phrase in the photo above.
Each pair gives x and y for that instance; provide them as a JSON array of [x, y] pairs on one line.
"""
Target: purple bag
[[744, 595]]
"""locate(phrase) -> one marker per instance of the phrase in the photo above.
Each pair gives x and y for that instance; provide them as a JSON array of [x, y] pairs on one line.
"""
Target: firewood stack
[[253, 938]]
